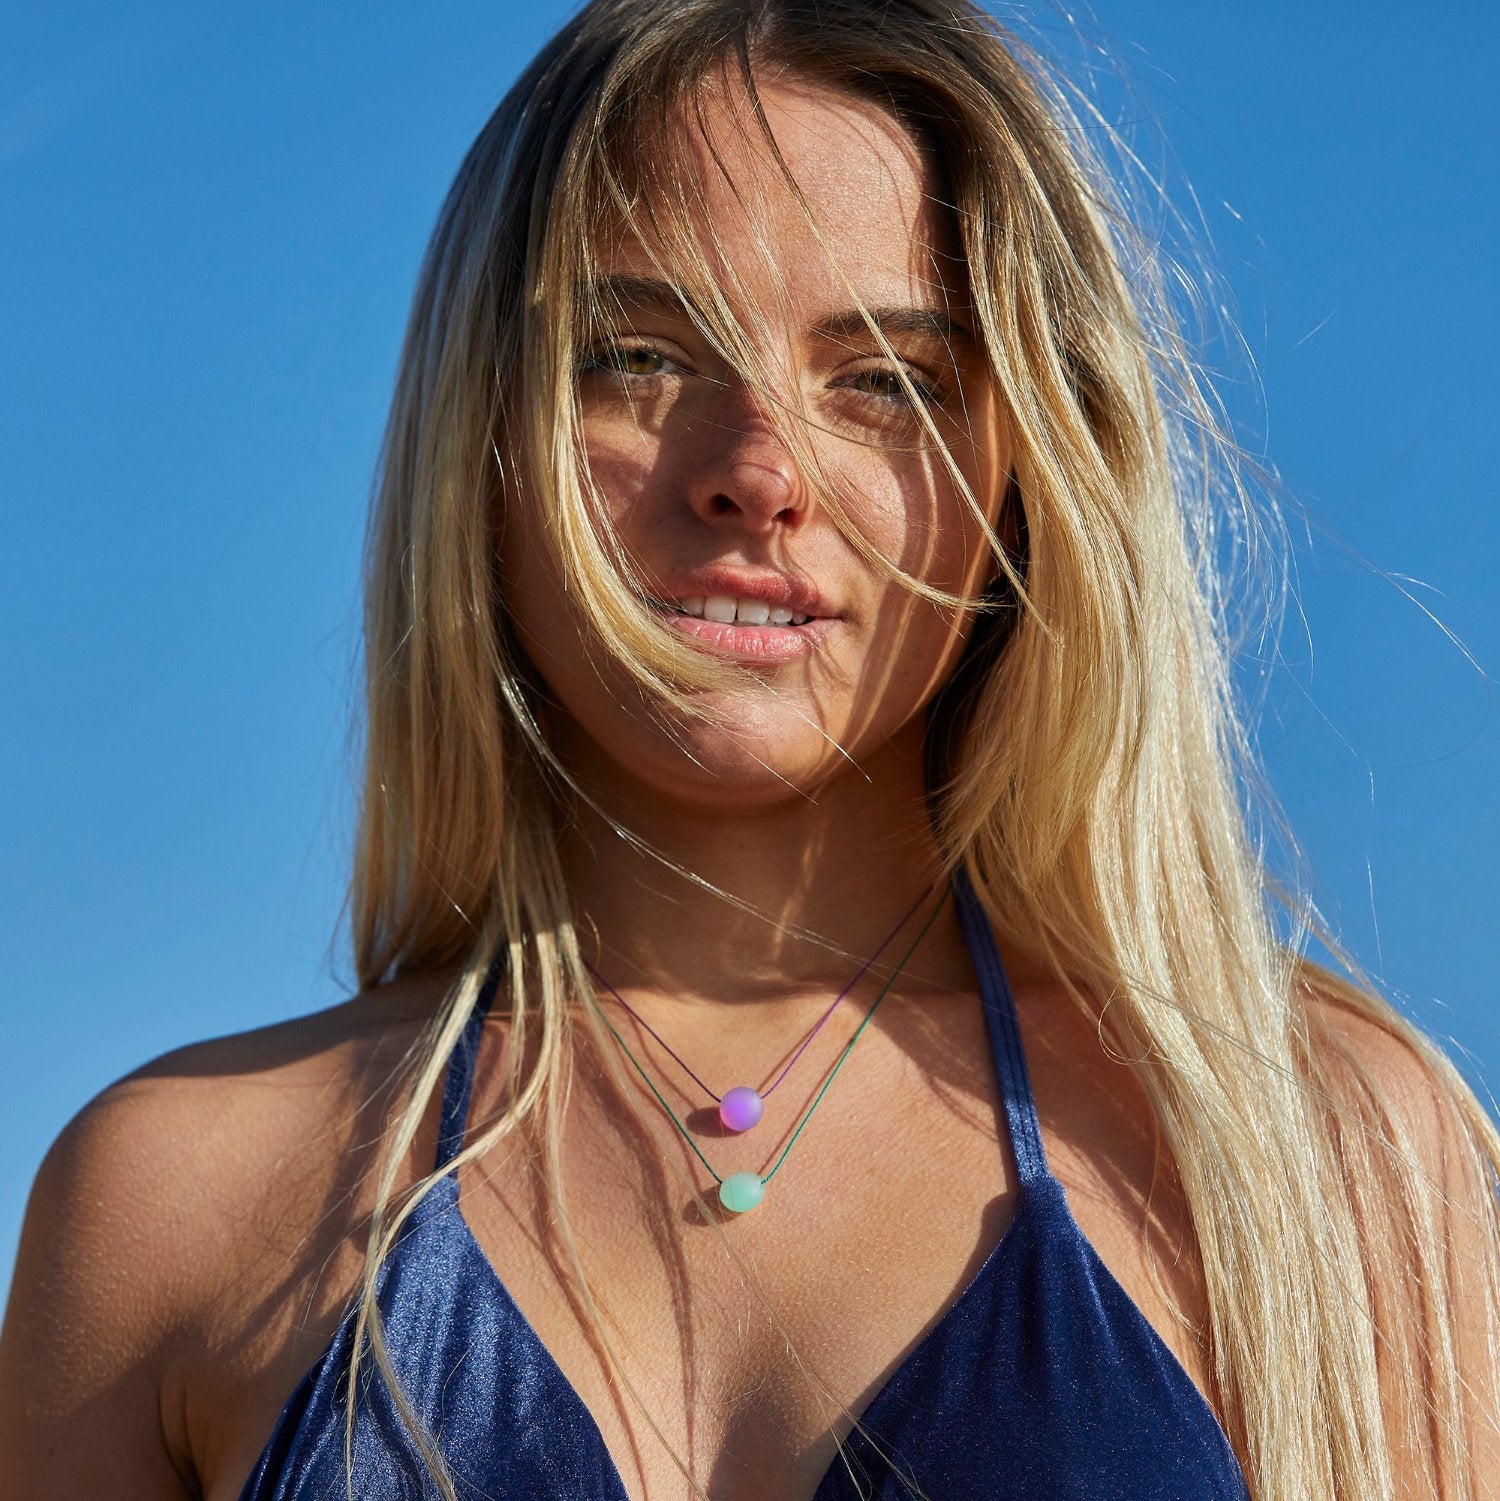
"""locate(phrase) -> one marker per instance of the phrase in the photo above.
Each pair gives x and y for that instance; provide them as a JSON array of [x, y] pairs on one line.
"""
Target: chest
[[746, 1348], [746, 1345]]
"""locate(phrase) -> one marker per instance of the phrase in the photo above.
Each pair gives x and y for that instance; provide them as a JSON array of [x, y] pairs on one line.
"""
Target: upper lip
[[775, 589]]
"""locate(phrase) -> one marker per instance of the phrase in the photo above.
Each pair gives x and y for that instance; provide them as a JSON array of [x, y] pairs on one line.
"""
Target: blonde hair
[[1088, 775]]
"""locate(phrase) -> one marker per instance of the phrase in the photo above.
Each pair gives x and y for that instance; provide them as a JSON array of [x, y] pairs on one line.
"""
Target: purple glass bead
[[740, 1109]]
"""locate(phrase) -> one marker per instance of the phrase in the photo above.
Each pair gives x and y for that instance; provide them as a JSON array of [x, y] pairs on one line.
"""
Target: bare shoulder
[[151, 1218], [162, 1167], [1419, 1156], [1411, 1137], [1380, 1072]]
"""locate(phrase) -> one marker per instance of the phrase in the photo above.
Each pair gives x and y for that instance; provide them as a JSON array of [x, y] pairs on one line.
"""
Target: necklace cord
[[885, 990], [686, 1135], [818, 1026], [817, 1100], [864, 969]]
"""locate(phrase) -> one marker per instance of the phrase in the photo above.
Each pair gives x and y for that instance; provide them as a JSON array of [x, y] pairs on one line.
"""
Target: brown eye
[[625, 359], [887, 385]]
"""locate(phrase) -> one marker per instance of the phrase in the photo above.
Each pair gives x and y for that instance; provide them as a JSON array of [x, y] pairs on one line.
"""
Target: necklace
[[741, 1108], [742, 1192]]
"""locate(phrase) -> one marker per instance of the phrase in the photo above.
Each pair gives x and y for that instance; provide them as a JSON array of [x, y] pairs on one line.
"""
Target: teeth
[[725, 609]]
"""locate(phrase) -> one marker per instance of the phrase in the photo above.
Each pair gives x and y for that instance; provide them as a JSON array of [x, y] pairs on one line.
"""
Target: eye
[[885, 383], [630, 358]]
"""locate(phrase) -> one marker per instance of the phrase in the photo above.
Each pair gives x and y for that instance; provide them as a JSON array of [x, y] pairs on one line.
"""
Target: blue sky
[[213, 217]]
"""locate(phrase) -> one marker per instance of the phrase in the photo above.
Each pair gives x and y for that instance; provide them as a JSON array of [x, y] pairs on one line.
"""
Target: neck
[[764, 902]]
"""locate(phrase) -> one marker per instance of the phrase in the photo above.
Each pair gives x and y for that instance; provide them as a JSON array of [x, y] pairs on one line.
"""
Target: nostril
[[736, 490]]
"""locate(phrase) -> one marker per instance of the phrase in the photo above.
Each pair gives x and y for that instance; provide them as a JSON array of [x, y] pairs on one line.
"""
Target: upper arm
[[1418, 1157], [178, 1242], [95, 1307]]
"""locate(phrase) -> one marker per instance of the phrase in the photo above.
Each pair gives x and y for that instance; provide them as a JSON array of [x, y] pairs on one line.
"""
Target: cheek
[[542, 613], [923, 522], [534, 603], [623, 467], [919, 518], [630, 469]]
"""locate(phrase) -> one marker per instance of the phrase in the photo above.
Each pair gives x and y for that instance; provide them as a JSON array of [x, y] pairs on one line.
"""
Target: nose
[[746, 476]]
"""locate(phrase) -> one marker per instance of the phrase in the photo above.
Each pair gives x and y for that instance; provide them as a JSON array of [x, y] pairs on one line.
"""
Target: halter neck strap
[[458, 1080], [1005, 1033]]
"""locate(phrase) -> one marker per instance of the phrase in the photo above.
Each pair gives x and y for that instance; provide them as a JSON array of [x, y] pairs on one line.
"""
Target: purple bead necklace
[[741, 1107], [741, 1192]]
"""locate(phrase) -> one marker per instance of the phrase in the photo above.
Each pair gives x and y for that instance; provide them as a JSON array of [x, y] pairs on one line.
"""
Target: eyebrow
[[650, 292], [903, 319], [635, 292]]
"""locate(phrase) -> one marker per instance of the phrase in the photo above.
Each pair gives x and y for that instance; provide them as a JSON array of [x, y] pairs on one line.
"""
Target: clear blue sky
[[212, 219]]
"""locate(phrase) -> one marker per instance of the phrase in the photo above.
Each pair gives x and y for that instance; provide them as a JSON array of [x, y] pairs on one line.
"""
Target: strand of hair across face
[[806, 1042], [848, 1048]]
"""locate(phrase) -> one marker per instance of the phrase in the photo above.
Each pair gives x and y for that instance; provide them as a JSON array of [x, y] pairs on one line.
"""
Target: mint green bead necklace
[[741, 1192]]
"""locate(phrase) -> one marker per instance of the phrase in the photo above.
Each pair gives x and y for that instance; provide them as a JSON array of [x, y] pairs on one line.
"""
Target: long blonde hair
[[1089, 775]]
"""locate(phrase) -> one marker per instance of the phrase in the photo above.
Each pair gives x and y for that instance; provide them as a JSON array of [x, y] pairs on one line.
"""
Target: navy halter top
[[1043, 1382]]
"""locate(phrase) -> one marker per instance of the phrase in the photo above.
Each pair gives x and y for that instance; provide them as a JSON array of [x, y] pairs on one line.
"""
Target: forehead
[[840, 198]]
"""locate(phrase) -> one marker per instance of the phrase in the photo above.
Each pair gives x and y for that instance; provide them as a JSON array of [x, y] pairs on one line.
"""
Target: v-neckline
[[1021, 1140], [590, 1424], [1035, 1188]]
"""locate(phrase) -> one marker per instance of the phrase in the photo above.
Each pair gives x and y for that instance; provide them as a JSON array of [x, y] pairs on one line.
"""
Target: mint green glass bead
[[741, 1192]]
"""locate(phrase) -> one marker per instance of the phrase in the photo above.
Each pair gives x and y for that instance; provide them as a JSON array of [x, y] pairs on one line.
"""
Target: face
[[739, 550]]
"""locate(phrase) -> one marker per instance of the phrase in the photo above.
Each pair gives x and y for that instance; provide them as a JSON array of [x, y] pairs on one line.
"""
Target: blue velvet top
[[1043, 1382]]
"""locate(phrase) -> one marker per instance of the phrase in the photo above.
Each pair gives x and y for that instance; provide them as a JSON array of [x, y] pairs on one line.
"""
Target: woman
[[786, 597]]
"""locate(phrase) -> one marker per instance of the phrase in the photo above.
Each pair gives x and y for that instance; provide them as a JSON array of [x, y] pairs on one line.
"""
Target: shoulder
[[150, 1183], [1416, 1157], [153, 1164], [153, 1208], [1411, 1141], [1389, 1083]]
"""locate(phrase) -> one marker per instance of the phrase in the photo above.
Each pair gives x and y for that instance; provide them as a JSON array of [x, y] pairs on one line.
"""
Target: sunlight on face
[[737, 544]]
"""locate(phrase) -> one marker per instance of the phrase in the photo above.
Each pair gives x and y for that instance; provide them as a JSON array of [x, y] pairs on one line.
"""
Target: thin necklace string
[[806, 1042], [869, 1016]]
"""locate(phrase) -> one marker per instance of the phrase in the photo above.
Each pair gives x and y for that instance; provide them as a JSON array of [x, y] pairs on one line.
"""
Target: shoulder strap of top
[[458, 1079], [1005, 1033]]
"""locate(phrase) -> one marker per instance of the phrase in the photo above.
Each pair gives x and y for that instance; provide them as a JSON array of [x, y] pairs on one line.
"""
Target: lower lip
[[756, 643]]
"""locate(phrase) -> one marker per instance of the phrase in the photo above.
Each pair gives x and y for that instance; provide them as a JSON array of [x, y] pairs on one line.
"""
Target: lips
[[756, 615], [745, 587], [726, 609]]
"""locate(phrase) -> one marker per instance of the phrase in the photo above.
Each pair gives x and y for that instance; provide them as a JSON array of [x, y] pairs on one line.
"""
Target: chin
[[720, 770], [763, 759]]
